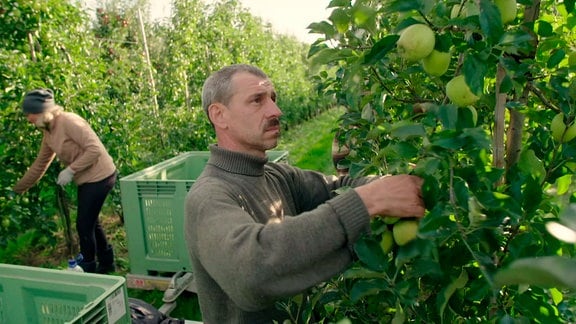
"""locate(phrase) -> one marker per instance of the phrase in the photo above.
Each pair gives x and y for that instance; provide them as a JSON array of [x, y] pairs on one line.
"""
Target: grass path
[[310, 144]]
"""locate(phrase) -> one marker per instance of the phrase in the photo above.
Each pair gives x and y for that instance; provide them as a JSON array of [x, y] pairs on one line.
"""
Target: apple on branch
[[508, 10], [405, 231], [416, 42], [437, 63], [459, 92]]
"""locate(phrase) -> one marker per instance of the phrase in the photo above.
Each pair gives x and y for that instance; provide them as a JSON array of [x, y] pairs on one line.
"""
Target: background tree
[[136, 81]]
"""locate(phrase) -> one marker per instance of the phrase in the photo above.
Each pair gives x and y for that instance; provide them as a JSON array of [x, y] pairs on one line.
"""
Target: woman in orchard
[[87, 163]]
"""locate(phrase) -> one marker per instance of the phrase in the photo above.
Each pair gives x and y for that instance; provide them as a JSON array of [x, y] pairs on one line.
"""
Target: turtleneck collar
[[236, 162]]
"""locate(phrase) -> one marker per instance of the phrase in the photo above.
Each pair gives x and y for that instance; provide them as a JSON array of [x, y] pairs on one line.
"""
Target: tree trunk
[[515, 129], [499, 119]]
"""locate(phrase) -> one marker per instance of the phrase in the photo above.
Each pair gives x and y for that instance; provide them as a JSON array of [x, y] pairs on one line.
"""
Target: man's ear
[[216, 112]]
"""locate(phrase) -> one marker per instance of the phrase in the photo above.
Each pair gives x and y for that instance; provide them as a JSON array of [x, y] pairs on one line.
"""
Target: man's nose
[[273, 109]]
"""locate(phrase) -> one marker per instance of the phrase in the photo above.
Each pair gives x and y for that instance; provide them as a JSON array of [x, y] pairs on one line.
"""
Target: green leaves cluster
[[495, 178]]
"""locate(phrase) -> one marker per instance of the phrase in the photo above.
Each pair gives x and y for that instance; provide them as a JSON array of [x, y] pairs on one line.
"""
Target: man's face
[[252, 117]]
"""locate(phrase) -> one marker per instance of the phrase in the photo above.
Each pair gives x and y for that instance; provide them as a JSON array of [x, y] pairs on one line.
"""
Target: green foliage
[[309, 144], [490, 206], [24, 248], [140, 93]]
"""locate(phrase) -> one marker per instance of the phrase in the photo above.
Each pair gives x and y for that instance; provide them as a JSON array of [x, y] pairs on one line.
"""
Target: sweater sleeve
[[312, 188], [37, 169], [256, 263]]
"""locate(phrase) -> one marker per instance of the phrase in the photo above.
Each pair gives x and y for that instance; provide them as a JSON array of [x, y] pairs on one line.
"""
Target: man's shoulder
[[206, 188], [279, 167], [210, 182]]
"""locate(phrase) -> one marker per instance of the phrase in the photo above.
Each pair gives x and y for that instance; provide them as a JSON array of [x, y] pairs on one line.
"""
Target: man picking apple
[[259, 232]]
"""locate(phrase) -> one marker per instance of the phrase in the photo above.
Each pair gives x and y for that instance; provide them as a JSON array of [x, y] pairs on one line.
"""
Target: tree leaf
[[370, 253], [411, 251], [475, 137], [545, 272], [427, 167], [563, 184], [404, 130], [557, 296], [474, 69], [322, 27], [568, 216], [467, 117], [341, 19], [545, 29], [569, 4], [490, 20], [532, 194], [403, 5], [330, 55], [362, 273], [443, 42], [363, 16], [365, 288], [380, 49], [517, 41], [531, 165], [448, 115], [339, 3], [555, 59], [506, 84], [449, 290], [461, 192]]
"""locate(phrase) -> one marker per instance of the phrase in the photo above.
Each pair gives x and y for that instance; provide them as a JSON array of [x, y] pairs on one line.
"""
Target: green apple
[[508, 10], [416, 42], [561, 132], [558, 127], [459, 92], [387, 242], [405, 231], [570, 133], [436, 63]]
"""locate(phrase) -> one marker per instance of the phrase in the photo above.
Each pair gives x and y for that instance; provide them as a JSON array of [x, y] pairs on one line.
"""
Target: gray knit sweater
[[247, 248]]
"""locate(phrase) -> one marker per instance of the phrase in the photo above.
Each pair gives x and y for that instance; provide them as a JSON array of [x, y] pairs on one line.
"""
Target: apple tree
[[483, 108], [137, 83]]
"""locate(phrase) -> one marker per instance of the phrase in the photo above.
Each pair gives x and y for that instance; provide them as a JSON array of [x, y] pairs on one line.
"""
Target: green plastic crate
[[153, 206], [38, 295]]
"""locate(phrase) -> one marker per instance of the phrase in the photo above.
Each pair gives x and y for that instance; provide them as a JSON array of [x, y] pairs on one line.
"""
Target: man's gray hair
[[218, 86]]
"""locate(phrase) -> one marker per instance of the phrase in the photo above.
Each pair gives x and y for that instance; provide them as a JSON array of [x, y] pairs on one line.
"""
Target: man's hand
[[65, 176], [397, 196]]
